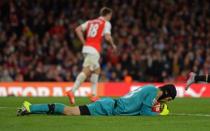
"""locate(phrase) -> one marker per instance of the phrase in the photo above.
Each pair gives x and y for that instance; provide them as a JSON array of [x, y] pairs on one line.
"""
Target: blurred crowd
[[157, 41]]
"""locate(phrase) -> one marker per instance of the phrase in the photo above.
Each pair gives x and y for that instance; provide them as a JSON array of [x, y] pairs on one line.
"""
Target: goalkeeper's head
[[168, 93]]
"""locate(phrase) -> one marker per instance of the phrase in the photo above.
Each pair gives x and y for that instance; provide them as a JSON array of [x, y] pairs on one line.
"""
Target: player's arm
[[79, 31], [109, 38], [107, 35], [147, 111], [148, 102], [149, 96]]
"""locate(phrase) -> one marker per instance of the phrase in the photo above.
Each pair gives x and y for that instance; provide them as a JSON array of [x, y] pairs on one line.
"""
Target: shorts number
[[93, 30]]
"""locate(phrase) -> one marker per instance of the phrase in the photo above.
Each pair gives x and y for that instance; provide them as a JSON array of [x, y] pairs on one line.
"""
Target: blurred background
[[157, 41]]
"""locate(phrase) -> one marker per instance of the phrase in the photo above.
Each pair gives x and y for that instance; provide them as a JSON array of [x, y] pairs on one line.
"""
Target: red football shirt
[[94, 33]]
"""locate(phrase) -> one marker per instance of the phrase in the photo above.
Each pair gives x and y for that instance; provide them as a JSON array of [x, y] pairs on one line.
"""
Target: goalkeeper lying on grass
[[142, 101]]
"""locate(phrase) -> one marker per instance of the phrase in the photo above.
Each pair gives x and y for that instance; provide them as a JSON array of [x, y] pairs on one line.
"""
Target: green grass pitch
[[196, 117]]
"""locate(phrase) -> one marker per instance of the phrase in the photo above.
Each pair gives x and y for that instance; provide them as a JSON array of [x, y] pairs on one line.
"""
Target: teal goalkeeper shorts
[[103, 107]]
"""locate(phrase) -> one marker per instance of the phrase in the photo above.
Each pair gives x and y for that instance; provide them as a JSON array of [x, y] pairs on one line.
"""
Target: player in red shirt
[[94, 30]]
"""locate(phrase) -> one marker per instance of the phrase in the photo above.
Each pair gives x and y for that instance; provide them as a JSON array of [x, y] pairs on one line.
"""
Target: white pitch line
[[186, 114], [173, 114]]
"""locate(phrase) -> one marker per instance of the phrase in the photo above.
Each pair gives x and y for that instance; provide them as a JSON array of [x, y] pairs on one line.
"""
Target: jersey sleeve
[[84, 26], [107, 28], [148, 102], [147, 111]]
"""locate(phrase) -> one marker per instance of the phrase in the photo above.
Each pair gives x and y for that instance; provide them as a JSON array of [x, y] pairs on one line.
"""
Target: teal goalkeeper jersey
[[137, 102]]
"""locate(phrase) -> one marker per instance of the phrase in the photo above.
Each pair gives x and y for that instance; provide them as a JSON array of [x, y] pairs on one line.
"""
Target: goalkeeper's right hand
[[165, 110]]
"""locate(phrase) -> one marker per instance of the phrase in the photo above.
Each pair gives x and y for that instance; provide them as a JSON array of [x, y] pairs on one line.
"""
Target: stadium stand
[[157, 41]]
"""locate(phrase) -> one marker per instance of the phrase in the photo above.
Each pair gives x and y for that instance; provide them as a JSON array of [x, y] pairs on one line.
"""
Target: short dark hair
[[169, 90], [105, 11]]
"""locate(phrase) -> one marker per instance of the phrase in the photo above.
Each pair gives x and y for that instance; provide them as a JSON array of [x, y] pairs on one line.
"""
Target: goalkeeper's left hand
[[165, 110]]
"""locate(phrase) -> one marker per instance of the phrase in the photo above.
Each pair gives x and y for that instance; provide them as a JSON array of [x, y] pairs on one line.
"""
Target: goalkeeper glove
[[165, 110]]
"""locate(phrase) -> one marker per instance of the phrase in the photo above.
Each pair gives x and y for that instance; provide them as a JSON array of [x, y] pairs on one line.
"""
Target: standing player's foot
[[93, 98], [190, 80], [25, 109], [70, 95]]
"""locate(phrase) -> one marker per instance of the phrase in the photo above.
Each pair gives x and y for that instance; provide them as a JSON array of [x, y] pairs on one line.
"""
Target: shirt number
[[93, 30], [130, 94]]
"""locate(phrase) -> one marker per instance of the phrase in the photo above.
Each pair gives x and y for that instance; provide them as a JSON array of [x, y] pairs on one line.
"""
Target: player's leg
[[80, 79], [202, 78], [76, 111], [95, 68], [94, 84], [28, 108], [102, 107], [56, 108], [193, 78]]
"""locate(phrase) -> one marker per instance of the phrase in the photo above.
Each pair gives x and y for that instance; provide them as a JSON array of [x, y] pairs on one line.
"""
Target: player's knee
[[71, 111], [86, 70], [67, 111], [97, 71]]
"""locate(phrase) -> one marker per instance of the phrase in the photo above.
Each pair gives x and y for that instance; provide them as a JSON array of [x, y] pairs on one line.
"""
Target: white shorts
[[91, 60]]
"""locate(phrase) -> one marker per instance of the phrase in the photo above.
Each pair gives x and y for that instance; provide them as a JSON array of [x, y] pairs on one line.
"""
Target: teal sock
[[47, 108], [39, 108], [59, 108]]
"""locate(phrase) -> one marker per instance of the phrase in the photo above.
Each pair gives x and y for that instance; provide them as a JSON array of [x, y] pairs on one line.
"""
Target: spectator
[[157, 40]]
